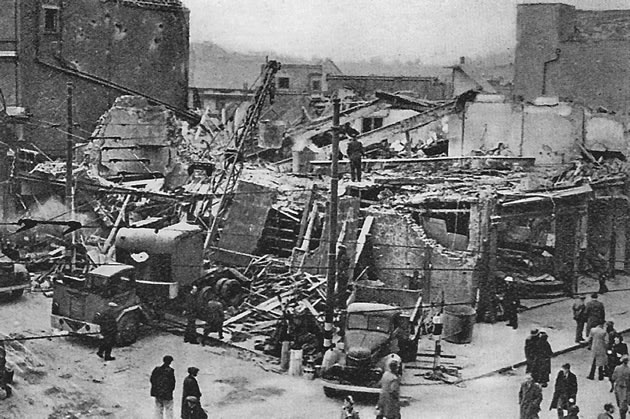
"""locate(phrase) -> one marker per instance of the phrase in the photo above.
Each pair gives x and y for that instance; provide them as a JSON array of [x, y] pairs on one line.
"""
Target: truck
[[152, 273], [14, 277], [380, 321]]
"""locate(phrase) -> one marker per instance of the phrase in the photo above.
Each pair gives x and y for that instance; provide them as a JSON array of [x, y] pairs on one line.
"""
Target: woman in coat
[[565, 390], [542, 360], [599, 347], [191, 388], [388, 399], [616, 351]]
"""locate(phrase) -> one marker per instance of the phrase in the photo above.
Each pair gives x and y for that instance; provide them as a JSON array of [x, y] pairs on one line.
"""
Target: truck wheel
[[17, 293], [128, 328]]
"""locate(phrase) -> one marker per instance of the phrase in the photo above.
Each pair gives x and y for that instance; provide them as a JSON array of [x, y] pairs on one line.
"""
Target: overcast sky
[[434, 31]]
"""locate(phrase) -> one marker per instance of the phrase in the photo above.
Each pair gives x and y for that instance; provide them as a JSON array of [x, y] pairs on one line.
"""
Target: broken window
[[51, 19], [448, 223], [283, 82], [370, 124]]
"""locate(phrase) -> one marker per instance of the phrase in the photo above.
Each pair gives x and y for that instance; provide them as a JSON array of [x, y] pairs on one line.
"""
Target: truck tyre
[[128, 328], [17, 293]]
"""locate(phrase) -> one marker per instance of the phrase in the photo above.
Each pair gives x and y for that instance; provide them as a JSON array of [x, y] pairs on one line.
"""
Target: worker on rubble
[[109, 329], [511, 302], [355, 154], [190, 333], [214, 317]]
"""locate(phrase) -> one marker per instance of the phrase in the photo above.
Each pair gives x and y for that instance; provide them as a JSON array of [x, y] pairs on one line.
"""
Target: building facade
[[578, 55], [105, 48]]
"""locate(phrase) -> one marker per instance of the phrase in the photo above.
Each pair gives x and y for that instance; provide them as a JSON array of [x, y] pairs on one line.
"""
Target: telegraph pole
[[69, 153], [332, 232]]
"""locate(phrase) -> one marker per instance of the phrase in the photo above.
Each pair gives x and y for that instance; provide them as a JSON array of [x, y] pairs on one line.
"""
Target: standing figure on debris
[[609, 409], [214, 320], [598, 347], [109, 329], [162, 387], [511, 302], [191, 388], [621, 384], [190, 334], [565, 390], [595, 313], [529, 398], [355, 153], [542, 360], [388, 400], [579, 315], [617, 350], [530, 349]]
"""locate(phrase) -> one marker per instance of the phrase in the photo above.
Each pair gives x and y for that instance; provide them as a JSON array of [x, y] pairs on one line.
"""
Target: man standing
[[579, 315], [214, 317], [109, 329], [594, 312], [511, 302], [565, 391], [529, 398], [598, 348], [191, 388], [389, 397], [621, 386], [355, 153], [531, 343], [162, 387], [542, 359], [609, 409], [190, 333]]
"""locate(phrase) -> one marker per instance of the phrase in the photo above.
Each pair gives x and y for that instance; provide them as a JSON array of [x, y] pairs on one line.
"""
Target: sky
[[432, 31]]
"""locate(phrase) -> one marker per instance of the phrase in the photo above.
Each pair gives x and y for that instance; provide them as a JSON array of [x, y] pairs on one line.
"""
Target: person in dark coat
[[355, 153], [511, 302], [194, 409], [617, 350], [621, 382], [214, 317], [162, 387], [191, 388], [579, 315], [109, 329], [595, 313], [191, 312], [529, 398], [542, 360], [389, 397], [530, 347], [565, 391], [609, 409]]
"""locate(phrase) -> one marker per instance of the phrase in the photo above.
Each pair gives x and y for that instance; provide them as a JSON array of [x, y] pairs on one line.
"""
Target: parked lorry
[[380, 321], [153, 272], [14, 277]]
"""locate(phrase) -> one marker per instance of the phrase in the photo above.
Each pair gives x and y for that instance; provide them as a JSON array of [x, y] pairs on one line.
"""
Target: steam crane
[[233, 165]]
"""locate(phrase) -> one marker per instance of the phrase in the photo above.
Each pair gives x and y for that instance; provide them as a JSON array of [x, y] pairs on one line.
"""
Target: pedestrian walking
[[511, 302], [162, 387], [595, 313], [598, 347], [542, 360], [347, 411], [529, 398], [530, 348], [565, 391], [609, 409], [355, 154], [191, 388], [579, 315], [572, 413], [617, 350], [389, 398], [191, 312], [109, 329], [621, 385], [214, 317]]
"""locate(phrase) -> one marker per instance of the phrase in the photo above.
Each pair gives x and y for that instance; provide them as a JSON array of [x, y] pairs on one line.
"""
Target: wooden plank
[[365, 230]]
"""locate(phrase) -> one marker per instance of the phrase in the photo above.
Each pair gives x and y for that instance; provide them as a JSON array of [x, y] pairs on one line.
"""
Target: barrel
[[458, 324], [295, 362], [309, 372]]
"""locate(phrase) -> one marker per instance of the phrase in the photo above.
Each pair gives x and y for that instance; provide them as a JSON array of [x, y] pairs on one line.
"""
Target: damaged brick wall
[[141, 48]]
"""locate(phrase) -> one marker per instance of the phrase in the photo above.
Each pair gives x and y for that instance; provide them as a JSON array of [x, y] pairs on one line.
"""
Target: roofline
[[392, 78]]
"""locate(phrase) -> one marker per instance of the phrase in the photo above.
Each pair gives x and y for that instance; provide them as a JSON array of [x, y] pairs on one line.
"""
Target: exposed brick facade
[[137, 45], [581, 56]]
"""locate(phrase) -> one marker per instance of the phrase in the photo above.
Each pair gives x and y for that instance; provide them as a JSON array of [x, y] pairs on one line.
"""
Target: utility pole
[[332, 231], [69, 153]]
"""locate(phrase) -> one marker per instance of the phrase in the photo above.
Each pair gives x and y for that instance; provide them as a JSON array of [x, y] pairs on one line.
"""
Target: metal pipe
[[332, 232]]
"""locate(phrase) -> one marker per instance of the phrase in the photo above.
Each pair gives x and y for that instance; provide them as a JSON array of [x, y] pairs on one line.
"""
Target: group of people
[[212, 313], [163, 385], [538, 355], [563, 400]]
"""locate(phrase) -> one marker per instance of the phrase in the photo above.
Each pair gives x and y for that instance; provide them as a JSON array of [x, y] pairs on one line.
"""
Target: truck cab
[[78, 301], [14, 278]]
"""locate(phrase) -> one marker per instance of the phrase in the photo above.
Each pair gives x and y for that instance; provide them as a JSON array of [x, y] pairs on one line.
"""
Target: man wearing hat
[[511, 302], [109, 329], [565, 391], [531, 343], [191, 388], [594, 313], [621, 386], [389, 398], [529, 398], [162, 387], [579, 315]]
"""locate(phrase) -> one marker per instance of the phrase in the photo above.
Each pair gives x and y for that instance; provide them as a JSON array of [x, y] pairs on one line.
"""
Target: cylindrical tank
[[458, 324]]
